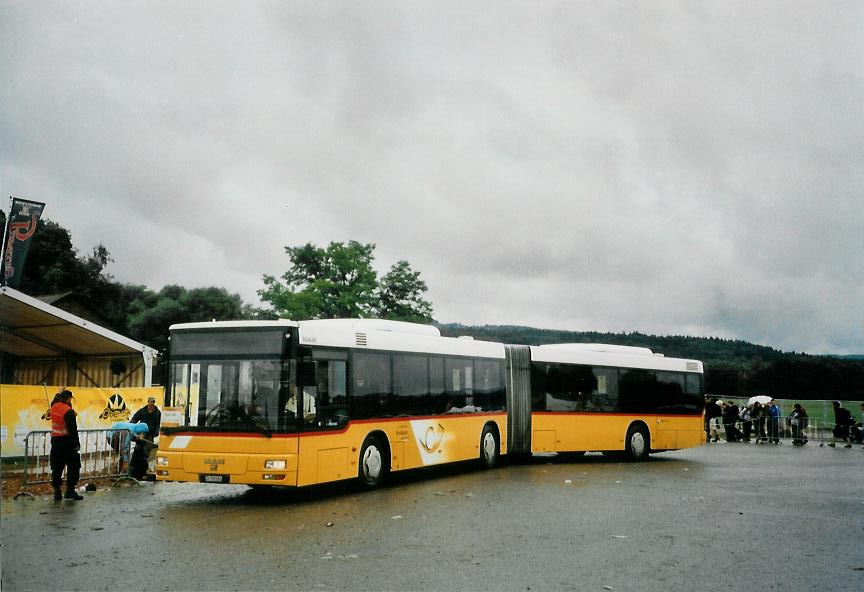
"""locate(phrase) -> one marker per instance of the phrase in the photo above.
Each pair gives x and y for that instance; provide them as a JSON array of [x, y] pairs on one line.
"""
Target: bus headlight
[[276, 465], [161, 461]]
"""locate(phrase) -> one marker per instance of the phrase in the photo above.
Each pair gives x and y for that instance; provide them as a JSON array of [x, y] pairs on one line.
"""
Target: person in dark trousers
[[144, 443], [64, 446], [746, 422], [712, 410], [842, 425], [730, 419], [773, 422], [138, 465], [857, 430], [150, 415], [121, 437], [798, 423], [760, 414]]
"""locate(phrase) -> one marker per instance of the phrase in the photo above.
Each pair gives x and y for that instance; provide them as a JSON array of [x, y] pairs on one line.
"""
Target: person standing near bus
[[712, 410], [730, 419], [746, 421], [64, 446], [760, 414], [150, 415], [798, 423], [857, 430], [842, 425], [774, 422]]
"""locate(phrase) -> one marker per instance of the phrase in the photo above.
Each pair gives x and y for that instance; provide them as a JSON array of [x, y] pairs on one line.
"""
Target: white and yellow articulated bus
[[284, 403]]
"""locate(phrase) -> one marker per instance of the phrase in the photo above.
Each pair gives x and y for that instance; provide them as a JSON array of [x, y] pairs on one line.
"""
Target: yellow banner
[[24, 408]]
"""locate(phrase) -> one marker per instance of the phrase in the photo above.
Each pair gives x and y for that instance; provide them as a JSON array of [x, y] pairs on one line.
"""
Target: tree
[[151, 314], [54, 266], [339, 282], [333, 282], [400, 295]]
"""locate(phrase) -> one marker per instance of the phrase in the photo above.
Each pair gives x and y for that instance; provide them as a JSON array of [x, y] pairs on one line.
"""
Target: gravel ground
[[718, 517]]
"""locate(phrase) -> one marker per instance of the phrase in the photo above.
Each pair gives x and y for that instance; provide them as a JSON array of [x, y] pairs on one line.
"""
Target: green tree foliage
[[332, 282], [400, 295], [150, 314], [339, 282], [54, 266]]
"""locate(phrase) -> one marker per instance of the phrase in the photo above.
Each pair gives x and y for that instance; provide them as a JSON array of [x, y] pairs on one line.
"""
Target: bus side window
[[371, 389], [325, 402], [604, 396], [638, 391], [489, 388], [411, 385], [693, 393], [459, 385]]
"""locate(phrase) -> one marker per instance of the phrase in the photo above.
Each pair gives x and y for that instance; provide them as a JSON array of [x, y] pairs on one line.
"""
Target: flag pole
[[3, 246]]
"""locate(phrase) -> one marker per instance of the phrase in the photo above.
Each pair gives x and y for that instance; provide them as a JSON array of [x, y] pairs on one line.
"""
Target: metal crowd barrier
[[99, 459], [814, 431]]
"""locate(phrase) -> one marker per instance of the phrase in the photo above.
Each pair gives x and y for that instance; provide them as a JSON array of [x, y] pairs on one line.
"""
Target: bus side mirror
[[307, 374]]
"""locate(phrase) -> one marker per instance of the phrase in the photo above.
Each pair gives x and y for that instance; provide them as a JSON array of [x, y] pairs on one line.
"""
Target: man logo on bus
[[432, 438], [116, 409]]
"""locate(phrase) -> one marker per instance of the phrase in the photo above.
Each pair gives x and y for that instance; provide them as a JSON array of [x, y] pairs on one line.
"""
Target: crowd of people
[[764, 422]]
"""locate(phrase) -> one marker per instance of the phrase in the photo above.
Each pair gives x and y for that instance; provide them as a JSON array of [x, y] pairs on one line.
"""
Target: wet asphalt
[[718, 517]]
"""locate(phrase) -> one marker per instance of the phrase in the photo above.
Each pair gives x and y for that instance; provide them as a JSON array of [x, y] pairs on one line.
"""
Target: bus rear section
[[296, 404], [612, 399]]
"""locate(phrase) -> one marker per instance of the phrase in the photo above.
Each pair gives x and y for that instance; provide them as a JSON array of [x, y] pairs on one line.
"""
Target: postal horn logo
[[432, 438], [116, 409]]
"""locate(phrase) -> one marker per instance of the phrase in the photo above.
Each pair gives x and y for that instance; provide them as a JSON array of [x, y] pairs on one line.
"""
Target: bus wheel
[[637, 443], [373, 468], [488, 448]]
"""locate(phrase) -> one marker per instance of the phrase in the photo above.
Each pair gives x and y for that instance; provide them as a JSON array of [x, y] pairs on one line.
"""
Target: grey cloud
[[670, 167]]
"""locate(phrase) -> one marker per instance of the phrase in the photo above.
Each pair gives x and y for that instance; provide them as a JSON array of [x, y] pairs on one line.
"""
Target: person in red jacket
[[64, 446]]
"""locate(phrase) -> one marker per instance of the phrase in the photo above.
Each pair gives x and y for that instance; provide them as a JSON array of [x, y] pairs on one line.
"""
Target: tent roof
[[30, 328]]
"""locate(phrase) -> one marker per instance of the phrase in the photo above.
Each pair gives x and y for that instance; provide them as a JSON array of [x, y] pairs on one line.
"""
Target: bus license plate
[[215, 478]]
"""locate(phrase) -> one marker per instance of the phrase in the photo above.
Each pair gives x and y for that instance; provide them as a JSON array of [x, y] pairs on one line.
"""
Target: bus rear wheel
[[373, 465], [638, 443], [489, 449]]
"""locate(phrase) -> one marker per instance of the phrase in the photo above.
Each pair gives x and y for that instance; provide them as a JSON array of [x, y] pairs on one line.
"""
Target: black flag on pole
[[20, 226]]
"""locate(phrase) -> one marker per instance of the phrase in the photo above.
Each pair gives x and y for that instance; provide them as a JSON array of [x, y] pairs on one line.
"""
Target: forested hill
[[700, 348], [732, 367]]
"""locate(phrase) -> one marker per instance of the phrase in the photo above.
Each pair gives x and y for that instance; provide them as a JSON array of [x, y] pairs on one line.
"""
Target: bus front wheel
[[489, 449], [373, 463], [638, 443]]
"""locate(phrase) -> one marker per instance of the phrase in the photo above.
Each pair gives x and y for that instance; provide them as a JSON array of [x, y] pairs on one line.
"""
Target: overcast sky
[[665, 167]]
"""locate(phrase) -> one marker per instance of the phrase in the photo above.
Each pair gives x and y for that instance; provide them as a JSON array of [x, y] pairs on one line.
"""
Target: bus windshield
[[247, 393]]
